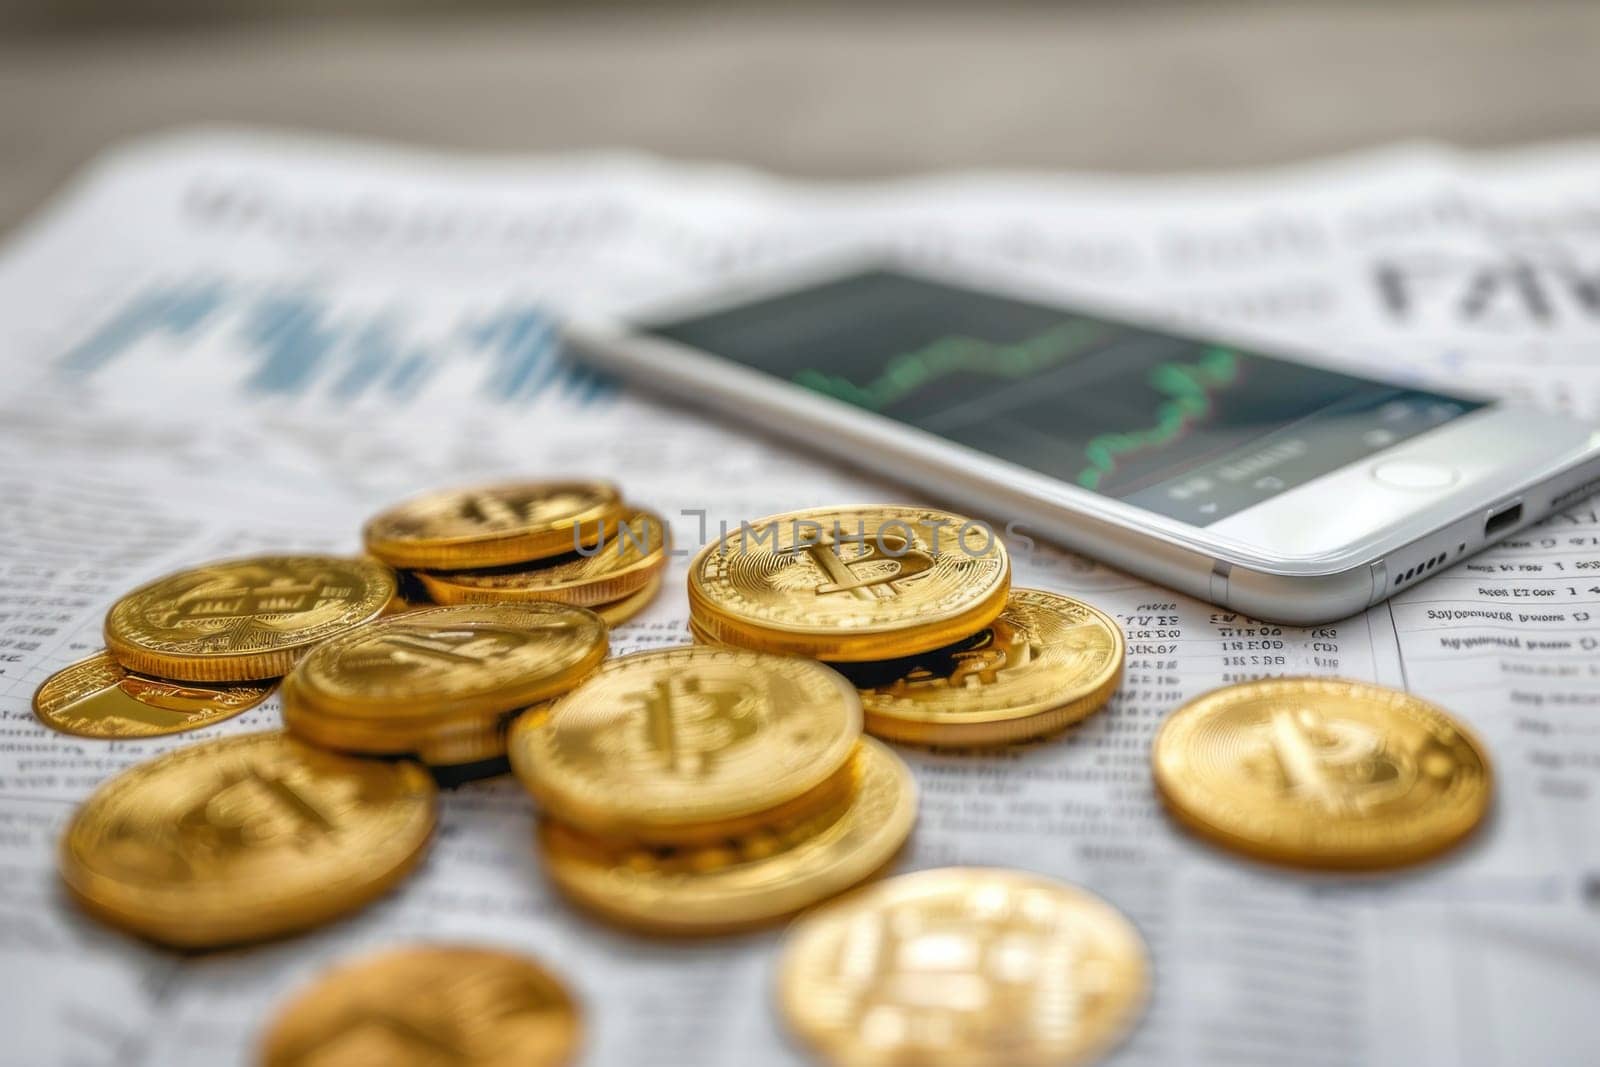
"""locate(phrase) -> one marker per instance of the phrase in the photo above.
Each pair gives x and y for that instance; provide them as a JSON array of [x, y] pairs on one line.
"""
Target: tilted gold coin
[[440, 682], [628, 556], [1322, 772], [1046, 662], [492, 525], [688, 743], [750, 879], [966, 967], [429, 1006], [849, 584], [620, 611], [97, 697], [243, 620], [244, 838]]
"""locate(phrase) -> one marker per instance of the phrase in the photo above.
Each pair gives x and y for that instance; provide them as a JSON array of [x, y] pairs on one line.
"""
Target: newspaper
[[220, 342]]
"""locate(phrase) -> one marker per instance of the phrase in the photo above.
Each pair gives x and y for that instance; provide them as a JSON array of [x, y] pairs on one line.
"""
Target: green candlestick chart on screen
[[1186, 390]]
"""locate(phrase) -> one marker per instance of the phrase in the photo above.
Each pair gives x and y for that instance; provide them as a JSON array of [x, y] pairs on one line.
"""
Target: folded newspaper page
[[224, 342]]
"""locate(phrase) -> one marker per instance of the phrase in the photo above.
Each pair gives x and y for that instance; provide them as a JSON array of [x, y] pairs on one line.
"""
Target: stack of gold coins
[[251, 836], [702, 790], [566, 542], [202, 645], [441, 684], [915, 606]]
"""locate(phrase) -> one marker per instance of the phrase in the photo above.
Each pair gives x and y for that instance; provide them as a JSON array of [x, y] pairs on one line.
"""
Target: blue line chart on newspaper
[[306, 341]]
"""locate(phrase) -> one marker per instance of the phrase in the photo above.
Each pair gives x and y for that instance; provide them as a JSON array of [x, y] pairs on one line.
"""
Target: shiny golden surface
[[428, 1006], [243, 619], [1322, 773], [440, 682], [804, 583], [1046, 662], [244, 838], [687, 743], [96, 697], [469, 657], [620, 611], [492, 525], [629, 555], [750, 879], [963, 967]]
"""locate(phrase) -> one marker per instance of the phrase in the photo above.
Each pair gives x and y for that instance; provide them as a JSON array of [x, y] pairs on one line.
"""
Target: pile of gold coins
[[916, 608], [696, 789], [548, 542], [703, 790]]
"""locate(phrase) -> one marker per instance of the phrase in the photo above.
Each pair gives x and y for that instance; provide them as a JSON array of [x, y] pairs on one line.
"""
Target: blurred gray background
[[824, 89]]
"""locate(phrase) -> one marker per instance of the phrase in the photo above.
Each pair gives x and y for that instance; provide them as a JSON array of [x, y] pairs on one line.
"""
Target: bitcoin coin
[[1322, 773], [750, 879], [96, 697], [628, 556], [440, 682], [1045, 662], [244, 838], [702, 637], [243, 620], [620, 611], [688, 743], [850, 584], [492, 525], [428, 1006], [966, 967]]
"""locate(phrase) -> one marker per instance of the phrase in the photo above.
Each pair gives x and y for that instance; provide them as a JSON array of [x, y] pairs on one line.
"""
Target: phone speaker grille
[[1420, 569], [1575, 494]]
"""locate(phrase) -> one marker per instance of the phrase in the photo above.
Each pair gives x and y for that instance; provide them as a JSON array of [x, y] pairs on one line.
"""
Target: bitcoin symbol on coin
[[972, 990], [259, 808], [1009, 649], [426, 648], [968, 966], [688, 722], [904, 562], [500, 512], [1339, 765], [987, 659]]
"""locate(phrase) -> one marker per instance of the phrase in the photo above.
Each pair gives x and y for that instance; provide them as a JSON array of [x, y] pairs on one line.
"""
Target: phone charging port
[[1503, 519]]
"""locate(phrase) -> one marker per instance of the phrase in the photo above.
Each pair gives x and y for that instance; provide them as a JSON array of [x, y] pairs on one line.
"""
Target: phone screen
[[1178, 425]]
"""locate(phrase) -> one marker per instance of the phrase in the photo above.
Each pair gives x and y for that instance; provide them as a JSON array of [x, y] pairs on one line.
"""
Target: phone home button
[[1414, 474]]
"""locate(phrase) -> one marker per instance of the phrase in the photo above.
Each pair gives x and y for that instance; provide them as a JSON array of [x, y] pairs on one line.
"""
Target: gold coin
[[440, 682], [966, 967], [243, 619], [1046, 662], [850, 584], [96, 697], [629, 554], [688, 743], [750, 879], [492, 525], [1322, 772], [701, 637], [620, 611], [426, 1007], [244, 838]]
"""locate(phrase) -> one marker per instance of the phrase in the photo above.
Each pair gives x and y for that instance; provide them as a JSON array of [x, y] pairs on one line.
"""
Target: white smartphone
[[1270, 483]]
